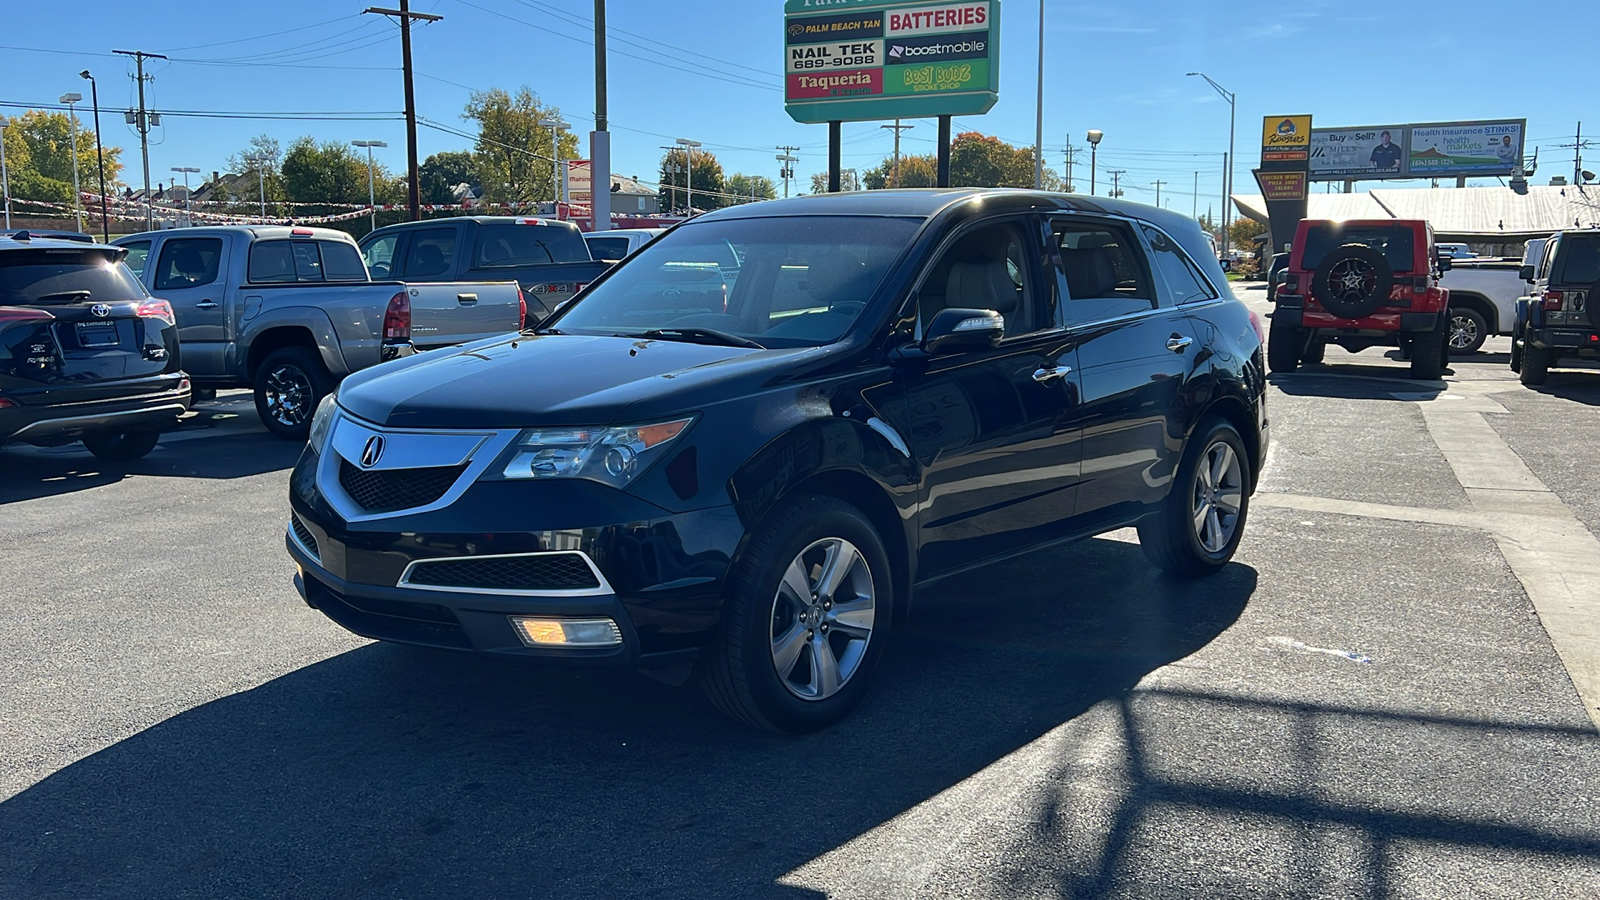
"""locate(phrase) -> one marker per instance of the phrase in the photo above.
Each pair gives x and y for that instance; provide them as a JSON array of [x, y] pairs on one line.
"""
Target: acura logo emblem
[[100, 310], [372, 452]]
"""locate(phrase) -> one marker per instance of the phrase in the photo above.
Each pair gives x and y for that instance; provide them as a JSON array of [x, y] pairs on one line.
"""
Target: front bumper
[[54, 424], [659, 574]]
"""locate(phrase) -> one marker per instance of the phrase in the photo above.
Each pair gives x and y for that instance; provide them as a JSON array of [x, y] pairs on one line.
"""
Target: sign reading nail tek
[[861, 60]]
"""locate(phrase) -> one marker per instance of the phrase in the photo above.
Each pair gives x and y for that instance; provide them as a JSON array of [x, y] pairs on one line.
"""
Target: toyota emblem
[[100, 310], [372, 452]]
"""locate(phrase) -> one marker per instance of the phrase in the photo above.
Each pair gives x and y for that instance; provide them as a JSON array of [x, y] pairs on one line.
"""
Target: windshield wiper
[[700, 336]]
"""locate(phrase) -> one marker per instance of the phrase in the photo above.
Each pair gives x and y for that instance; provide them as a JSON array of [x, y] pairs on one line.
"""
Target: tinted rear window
[[1397, 244], [608, 248], [1578, 260], [26, 276], [287, 262], [527, 245]]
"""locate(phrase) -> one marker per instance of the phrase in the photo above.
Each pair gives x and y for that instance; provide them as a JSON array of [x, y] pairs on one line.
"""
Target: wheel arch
[[274, 339], [1481, 305], [1236, 412]]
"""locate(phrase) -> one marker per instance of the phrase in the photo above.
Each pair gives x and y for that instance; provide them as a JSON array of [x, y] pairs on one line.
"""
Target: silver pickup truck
[[289, 311]]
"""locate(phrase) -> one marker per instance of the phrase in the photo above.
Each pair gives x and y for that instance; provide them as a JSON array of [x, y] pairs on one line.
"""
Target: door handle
[[1045, 374], [466, 298], [1178, 343], [206, 304]]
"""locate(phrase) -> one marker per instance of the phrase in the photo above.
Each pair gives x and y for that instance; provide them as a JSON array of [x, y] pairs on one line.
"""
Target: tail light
[[20, 314], [397, 318], [1291, 283], [157, 309], [578, 288], [1255, 322], [1551, 299], [522, 309]]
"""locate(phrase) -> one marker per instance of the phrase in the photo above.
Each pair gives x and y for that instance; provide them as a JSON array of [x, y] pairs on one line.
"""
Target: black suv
[[754, 466], [1561, 318], [85, 353]]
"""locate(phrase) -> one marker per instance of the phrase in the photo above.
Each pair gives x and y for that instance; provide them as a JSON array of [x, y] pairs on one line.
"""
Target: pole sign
[[1285, 138], [1457, 149], [1283, 175], [580, 181], [862, 60]]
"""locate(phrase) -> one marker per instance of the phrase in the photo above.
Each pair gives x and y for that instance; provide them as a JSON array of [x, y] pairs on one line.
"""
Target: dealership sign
[[580, 181], [858, 60], [1459, 149]]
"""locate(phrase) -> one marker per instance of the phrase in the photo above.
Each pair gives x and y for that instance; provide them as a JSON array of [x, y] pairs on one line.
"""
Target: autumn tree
[[512, 156], [915, 171], [751, 187], [707, 182], [39, 160]]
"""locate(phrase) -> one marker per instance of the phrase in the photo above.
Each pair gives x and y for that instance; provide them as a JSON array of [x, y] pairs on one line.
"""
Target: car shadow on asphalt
[[390, 770], [1579, 386], [1355, 381], [35, 472]]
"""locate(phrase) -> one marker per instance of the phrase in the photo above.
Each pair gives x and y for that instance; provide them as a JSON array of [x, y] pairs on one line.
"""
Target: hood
[[553, 379]]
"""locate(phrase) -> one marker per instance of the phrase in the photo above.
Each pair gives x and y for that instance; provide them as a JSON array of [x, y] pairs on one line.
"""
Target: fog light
[[567, 632]]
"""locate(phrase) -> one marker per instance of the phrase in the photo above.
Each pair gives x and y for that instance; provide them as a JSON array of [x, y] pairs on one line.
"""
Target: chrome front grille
[[389, 490], [556, 573]]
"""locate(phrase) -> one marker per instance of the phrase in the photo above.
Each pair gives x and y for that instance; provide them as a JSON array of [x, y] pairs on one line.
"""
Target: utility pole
[[143, 123], [897, 128], [1158, 183], [788, 159], [405, 15], [600, 138], [1072, 153], [1116, 181], [5, 180]]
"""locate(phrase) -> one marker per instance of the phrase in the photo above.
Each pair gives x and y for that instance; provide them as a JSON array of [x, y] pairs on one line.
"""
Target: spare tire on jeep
[[1352, 281]]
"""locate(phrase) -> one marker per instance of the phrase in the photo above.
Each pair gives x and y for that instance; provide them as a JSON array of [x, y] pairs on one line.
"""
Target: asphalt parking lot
[[1393, 692]]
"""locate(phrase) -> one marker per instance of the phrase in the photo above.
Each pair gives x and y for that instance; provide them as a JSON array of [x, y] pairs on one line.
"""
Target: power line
[[260, 37]]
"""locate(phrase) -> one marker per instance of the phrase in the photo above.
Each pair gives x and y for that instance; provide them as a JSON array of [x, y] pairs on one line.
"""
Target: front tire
[[1468, 331], [807, 610], [121, 446], [289, 384], [1202, 520]]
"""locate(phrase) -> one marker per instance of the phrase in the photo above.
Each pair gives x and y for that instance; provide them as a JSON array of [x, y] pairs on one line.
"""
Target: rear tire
[[1315, 351], [289, 384], [121, 446], [1202, 520], [1536, 362], [1516, 353], [1467, 331], [807, 610], [1427, 355], [1283, 348]]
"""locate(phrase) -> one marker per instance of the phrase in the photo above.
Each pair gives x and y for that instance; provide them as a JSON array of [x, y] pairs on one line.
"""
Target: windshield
[[1396, 244], [28, 275], [798, 281]]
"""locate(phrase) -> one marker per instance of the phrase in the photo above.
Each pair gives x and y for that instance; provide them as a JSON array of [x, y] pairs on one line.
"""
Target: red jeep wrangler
[[1360, 284]]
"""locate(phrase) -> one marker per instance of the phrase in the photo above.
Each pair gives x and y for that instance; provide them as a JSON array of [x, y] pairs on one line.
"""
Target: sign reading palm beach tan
[[855, 60]]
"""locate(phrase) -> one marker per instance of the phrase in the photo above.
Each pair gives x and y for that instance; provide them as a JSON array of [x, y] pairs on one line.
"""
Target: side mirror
[[1444, 264], [1526, 274], [957, 330]]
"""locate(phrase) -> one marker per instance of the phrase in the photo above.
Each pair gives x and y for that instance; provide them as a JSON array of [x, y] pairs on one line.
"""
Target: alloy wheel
[[822, 618], [1218, 497], [1463, 332], [1352, 280], [289, 393]]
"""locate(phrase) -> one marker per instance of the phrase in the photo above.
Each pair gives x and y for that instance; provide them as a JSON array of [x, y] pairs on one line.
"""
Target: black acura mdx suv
[[745, 448]]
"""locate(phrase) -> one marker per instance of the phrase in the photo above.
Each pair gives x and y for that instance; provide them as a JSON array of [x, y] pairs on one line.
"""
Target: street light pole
[[372, 190], [100, 156], [555, 126], [5, 180], [688, 170], [188, 210], [77, 198], [1094, 153], [1038, 134], [260, 162], [1227, 174]]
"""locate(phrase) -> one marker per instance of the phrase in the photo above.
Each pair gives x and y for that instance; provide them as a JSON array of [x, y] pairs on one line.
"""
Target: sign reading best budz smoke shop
[[860, 60]]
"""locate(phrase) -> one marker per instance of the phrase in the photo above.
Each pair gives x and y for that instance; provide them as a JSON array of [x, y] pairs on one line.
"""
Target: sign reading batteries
[[859, 60]]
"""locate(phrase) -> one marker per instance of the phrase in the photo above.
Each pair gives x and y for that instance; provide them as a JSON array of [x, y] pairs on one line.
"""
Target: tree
[[1242, 233], [441, 173], [262, 150], [915, 171], [708, 181], [848, 181], [260, 160], [751, 187], [330, 172], [39, 159], [512, 156]]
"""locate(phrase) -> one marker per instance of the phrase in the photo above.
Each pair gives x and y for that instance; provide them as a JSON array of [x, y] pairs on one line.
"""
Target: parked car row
[[741, 452]]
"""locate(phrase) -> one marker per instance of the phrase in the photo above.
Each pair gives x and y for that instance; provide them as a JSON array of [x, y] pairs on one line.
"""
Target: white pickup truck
[[1483, 298], [289, 311]]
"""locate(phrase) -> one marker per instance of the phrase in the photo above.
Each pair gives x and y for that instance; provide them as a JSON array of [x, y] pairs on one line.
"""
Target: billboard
[[1432, 150], [860, 60]]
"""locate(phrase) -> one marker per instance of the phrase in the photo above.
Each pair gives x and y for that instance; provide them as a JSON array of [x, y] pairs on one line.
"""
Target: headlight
[[322, 422], [613, 456]]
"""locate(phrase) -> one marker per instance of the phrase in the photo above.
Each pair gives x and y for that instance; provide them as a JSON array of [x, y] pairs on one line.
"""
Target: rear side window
[[271, 262], [187, 263], [341, 262], [137, 251], [431, 254], [525, 245], [1184, 281], [1579, 260], [33, 276], [1397, 244], [1103, 270], [609, 249]]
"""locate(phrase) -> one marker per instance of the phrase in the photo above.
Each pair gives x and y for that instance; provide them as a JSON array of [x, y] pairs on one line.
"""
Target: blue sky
[[710, 70]]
